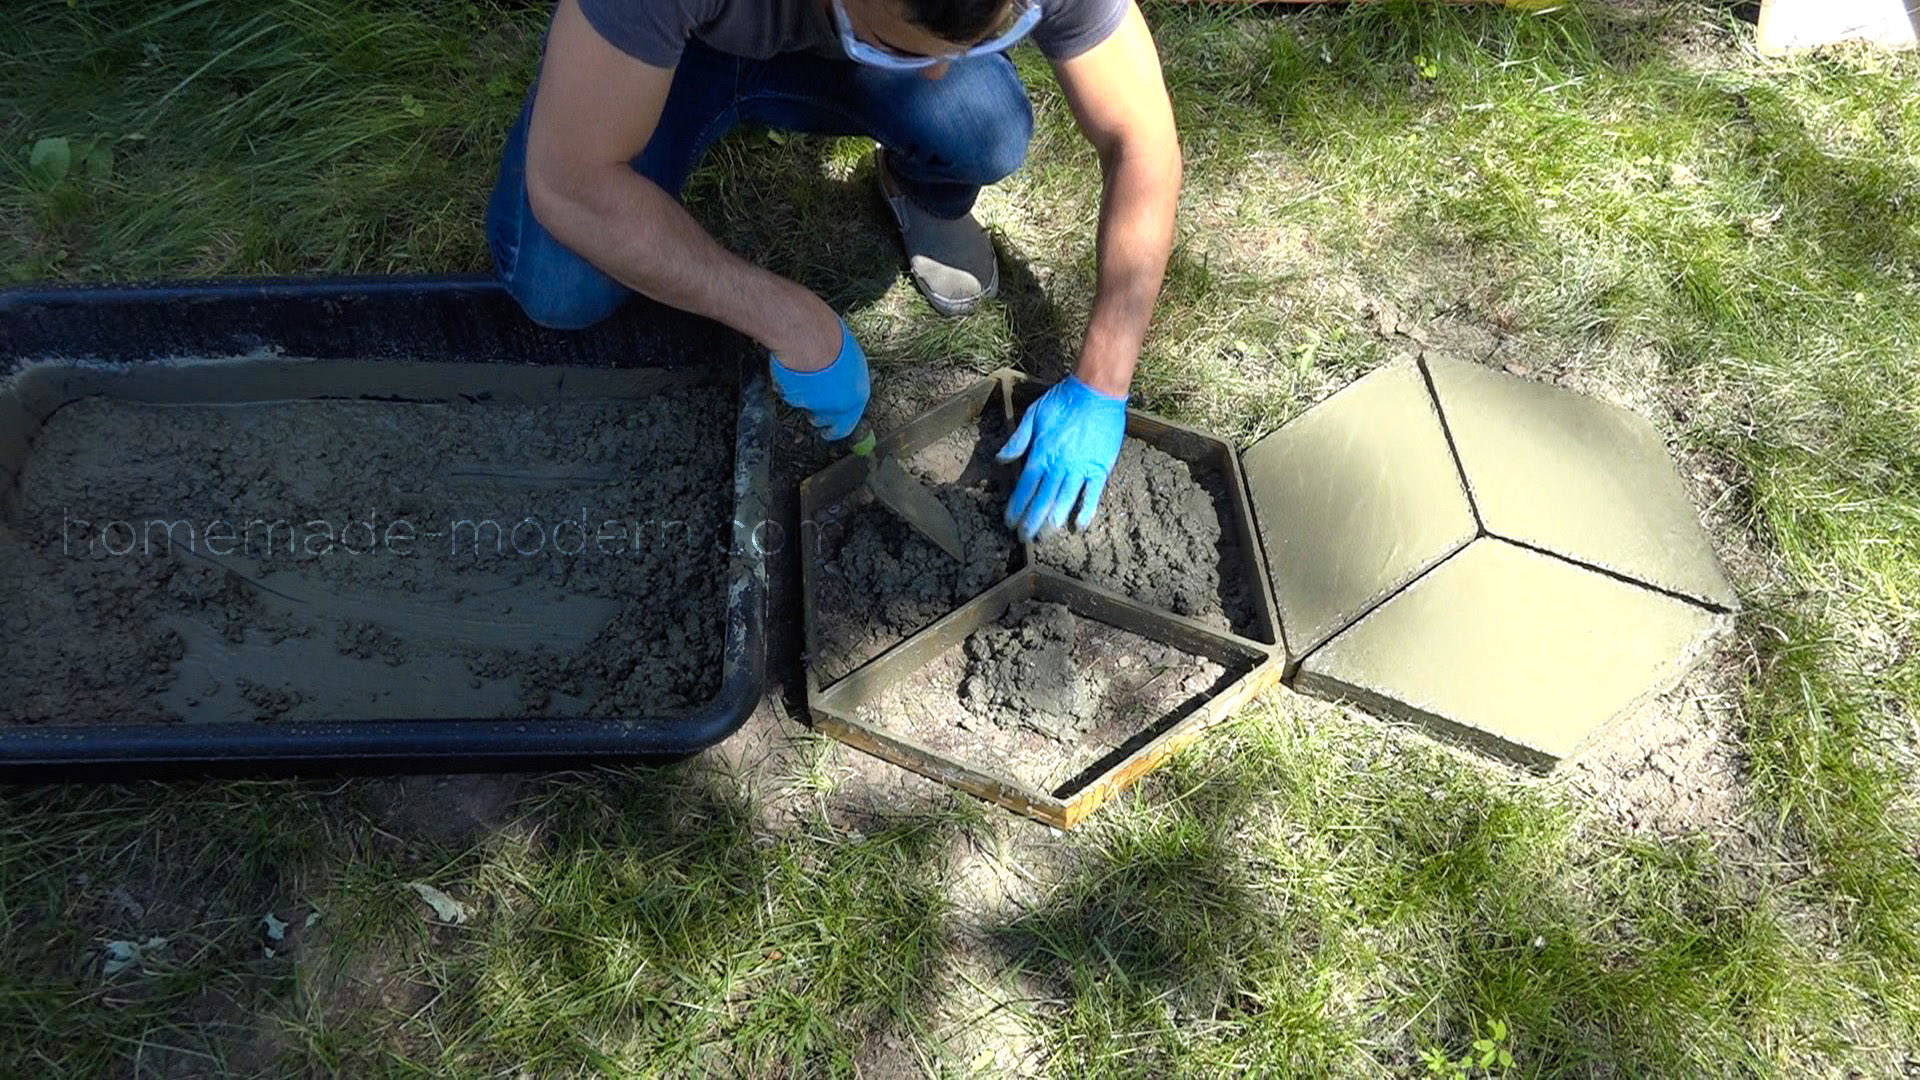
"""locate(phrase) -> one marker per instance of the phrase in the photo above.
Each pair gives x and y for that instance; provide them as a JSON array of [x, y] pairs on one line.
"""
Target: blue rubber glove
[[834, 396], [1071, 438]]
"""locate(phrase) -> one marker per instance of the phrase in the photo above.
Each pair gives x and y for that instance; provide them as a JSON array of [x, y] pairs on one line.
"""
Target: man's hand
[[1071, 438], [834, 395]]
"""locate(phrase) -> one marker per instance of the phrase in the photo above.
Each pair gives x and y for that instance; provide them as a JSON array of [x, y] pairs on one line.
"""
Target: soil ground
[[1620, 198]]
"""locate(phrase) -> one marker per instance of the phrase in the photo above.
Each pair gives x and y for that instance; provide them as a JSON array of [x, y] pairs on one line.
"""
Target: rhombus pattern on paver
[[1509, 562], [1356, 498]]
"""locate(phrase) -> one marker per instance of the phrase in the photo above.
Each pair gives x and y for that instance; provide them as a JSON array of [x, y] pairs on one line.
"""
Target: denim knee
[[1002, 146], [979, 125], [556, 306], [555, 287]]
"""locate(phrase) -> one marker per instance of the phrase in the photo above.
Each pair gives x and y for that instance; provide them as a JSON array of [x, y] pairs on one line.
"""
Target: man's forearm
[[1141, 193], [643, 238]]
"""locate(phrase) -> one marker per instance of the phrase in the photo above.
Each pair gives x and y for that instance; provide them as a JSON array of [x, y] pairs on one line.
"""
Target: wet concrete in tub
[[402, 579], [882, 581], [1044, 695], [1158, 539]]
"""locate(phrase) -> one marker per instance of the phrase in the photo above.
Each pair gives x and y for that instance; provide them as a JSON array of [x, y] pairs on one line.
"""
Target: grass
[[646, 930], [1453, 894], [1632, 202]]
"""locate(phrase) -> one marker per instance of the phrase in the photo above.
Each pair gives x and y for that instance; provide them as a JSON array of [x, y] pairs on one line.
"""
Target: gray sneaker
[[952, 261]]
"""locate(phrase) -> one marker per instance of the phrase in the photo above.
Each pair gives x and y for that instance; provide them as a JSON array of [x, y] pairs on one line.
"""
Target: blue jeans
[[946, 139]]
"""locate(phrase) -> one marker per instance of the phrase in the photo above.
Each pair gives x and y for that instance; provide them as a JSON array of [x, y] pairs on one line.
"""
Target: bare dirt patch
[[1672, 769]]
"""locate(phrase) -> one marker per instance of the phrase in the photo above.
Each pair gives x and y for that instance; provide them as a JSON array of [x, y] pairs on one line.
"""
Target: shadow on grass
[[182, 876], [636, 917], [804, 207], [1043, 339], [1495, 111], [1859, 205], [808, 208], [647, 921], [1150, 951], [1263, 916]]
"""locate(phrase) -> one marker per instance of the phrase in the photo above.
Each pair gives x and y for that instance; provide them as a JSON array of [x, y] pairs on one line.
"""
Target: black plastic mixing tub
[[462, 319]]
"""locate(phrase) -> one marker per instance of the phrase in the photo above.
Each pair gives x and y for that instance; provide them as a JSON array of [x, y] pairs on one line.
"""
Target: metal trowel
[[905, 496]]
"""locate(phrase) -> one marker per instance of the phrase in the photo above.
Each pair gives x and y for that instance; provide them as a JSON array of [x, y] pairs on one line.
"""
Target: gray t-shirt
[[655, 31]]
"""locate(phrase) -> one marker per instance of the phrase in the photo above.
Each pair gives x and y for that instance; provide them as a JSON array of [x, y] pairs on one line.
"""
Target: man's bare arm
[[595, 110], [1119, 99]]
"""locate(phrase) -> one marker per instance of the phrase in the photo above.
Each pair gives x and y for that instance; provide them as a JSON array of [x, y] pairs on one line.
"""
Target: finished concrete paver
[[1355, 498], [1523, 654], [1501, 559], [1578, 477]]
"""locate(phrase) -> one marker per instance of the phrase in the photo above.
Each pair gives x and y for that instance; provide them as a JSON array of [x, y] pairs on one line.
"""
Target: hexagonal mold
[[1397, 561], [996, 399], [825, 517], [1218, 468]]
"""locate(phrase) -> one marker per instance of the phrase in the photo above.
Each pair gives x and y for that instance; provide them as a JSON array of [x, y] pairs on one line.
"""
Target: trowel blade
[[916, 505]]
